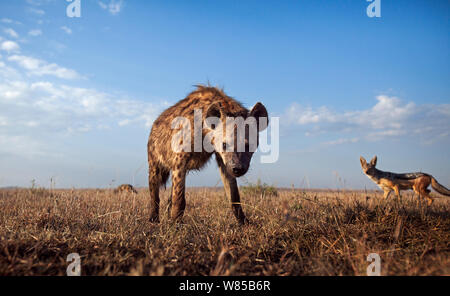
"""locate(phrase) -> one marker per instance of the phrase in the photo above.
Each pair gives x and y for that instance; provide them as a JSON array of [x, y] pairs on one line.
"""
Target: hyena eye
[[224, 146]]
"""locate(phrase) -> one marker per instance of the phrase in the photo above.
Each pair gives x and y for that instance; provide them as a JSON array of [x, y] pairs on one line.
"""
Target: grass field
[[293, 233]]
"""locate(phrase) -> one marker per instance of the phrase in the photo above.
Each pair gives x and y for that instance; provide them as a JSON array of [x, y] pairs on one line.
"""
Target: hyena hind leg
[[156, 178]]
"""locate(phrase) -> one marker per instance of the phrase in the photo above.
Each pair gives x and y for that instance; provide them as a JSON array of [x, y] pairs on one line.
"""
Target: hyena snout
[[238, 170], [238, 165]]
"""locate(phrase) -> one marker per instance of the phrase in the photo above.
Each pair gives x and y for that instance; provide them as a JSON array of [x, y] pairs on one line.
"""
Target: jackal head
[[368, 168], [235, 137]]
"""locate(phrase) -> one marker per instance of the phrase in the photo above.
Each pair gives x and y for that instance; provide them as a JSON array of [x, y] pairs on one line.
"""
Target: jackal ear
[[259, 112], [374, 161], [363, 161]]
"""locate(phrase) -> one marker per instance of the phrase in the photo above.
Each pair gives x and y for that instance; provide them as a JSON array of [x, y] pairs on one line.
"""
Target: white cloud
[[12, 90], [39, 2], [11, 32], [341, 141], [3, 121], [306, 115], [36, 111], [9, 21], [113, 7], [38, 67], [57, 46], [389, 117], [37, 11], [66, 29], [24, 146], [35, 32], [9, 46], [63, 106], [8, 73]]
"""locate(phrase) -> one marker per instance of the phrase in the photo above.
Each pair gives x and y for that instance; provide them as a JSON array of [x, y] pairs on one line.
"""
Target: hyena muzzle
[[233, 150]]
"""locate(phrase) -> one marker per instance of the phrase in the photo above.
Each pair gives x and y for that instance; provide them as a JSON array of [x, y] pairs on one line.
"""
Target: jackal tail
[[439, 188]]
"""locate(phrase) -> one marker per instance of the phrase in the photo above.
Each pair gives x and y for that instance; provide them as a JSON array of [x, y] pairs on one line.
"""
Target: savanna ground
[[295, 232]]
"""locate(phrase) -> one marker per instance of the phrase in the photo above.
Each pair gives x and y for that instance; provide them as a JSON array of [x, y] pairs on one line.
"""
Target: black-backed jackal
[[388, 181]]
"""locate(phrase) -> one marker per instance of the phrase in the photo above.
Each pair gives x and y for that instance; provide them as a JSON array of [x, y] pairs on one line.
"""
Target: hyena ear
[[214, 111], [363, 161], [374, 161], [259, 112]]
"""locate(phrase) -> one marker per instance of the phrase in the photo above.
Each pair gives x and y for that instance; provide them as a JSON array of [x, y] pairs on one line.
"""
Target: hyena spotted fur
[[125, 188], [163, 160]]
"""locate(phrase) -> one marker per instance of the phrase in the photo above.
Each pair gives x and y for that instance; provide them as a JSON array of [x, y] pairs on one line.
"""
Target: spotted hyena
[[125, 188], [233, 162]]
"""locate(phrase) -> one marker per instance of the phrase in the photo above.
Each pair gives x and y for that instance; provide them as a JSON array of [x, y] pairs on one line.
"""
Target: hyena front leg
[[178, 201], [169, 205], [232, 192]]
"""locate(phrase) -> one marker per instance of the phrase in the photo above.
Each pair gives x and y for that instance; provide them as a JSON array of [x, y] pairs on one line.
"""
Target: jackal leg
[[178, 203], [426, 193], [386, 193], [397, 192], [419, 195], [232, 192]]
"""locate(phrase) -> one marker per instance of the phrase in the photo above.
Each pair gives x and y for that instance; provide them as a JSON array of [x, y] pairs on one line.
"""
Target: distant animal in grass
[[125, 188], [388, 181]]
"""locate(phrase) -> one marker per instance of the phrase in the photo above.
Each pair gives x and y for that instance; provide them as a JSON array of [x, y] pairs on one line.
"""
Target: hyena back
[[163, 160]]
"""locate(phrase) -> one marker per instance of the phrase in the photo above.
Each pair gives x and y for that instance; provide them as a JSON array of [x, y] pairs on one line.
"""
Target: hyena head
[[368, 167], [235, 136]]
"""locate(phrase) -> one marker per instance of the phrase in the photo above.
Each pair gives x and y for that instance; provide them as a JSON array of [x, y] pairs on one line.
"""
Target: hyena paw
[[244, 221], [154, 218]]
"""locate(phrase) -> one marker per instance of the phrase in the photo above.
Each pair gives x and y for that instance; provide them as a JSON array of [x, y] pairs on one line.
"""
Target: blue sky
[[78, 95]]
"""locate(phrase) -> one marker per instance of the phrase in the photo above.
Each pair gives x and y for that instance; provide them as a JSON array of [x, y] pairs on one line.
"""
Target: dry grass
[[294, 233]]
